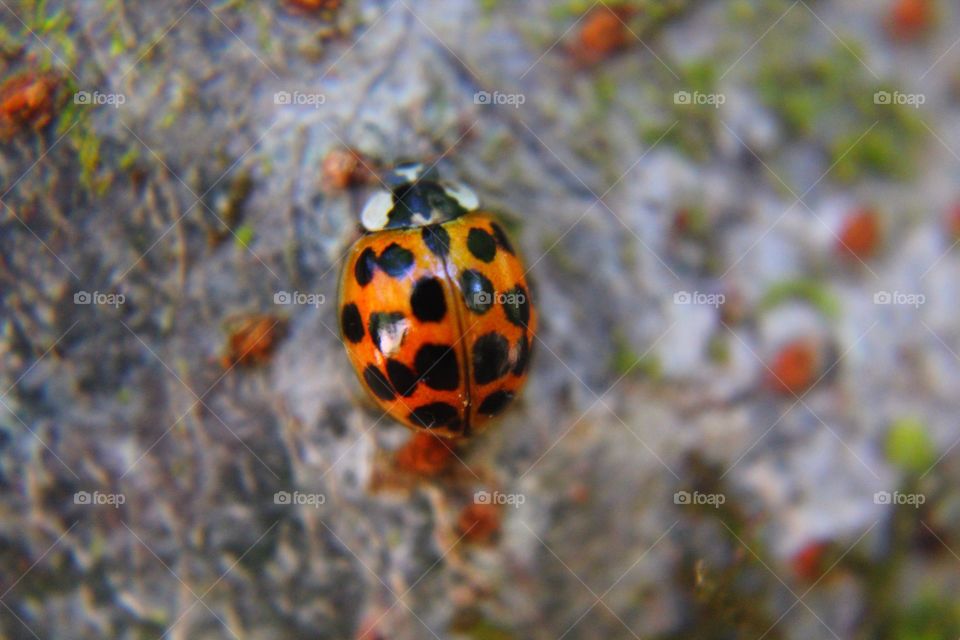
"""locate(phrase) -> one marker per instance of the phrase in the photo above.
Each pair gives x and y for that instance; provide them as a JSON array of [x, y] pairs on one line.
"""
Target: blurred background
[[740, 220]]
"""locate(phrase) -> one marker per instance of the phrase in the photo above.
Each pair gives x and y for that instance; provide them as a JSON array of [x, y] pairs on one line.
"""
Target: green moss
[[168, 120], [129, 158], [486, 630], [829, 100], [719, 349], [908, 445], [50, 26], [932, 617], [117, 45], [879, 152], [808, 290], [88, 153], [742, 10], [244, 236], [646, 15], [688, 126], [8, 43], [625, 361], [605, 88], [124, 395]]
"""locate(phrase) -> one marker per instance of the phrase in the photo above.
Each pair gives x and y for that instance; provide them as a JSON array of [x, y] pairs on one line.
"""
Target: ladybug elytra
[[435, 310]]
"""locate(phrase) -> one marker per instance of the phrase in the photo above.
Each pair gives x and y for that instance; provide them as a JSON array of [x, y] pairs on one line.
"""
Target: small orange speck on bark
[[314, 5], [860, 235], [953, 222], [579, 493], [808, 562], [26, 100], [479, 523], [342, 168], [909, 19], [794, 368], [426, 454], [252, 340], [604, 32]]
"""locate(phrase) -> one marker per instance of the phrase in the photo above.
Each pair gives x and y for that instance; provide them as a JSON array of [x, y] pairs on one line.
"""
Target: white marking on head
[[419, 220], [376, 213], [410, 173], [463, 194]]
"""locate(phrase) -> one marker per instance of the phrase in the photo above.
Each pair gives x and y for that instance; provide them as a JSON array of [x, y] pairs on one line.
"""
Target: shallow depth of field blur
[[741, 221]]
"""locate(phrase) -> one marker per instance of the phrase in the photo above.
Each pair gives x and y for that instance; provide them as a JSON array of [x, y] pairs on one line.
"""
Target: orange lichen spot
[[310, 6], [794, 367], [860, 235], [370, 627], [425, 454], [809, 562], [952, 222], [682, 221], [26, 101], [252, 340], [604, 33], [578, 493], [479, 523], [909, 19], [343, 168]]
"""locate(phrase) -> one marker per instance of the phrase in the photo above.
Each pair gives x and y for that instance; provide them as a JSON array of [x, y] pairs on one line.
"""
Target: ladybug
[[435, 310]]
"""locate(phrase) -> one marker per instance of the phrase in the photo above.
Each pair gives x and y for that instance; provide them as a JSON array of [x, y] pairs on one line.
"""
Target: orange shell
[[440, 337]]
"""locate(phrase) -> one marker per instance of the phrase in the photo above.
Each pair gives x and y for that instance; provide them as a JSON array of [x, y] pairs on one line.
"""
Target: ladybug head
[[416, 197]]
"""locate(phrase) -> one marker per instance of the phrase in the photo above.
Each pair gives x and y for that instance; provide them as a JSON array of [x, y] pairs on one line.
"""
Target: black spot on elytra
[[395, 260], [502, 239], [481, 244], [427, 300], [437, 240], [494, 403], [477, 291], [523, 356], [384, 324], [516, 304], [365, 267], [403, 378], [490, 357], [351, 324], [436, 364], [378, 382], [435, 415]]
